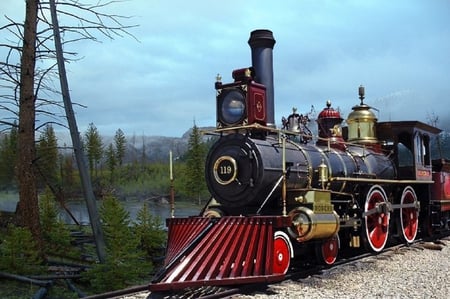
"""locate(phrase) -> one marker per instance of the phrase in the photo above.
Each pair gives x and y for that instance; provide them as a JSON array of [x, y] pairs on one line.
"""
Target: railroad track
[[213, 292]]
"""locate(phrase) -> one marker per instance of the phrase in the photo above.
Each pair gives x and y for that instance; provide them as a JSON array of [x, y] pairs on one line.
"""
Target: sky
[[162, 81]]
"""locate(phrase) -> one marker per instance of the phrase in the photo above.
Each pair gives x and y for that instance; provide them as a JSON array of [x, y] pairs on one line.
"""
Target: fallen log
[[56, 276], [73, 288], [41, 293], [41, 283]]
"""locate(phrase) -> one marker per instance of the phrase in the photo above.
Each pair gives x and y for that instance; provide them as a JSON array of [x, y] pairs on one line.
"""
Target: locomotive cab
[[410, 142]]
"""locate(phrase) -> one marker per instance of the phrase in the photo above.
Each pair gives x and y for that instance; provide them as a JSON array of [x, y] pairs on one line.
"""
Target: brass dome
[[361, 123], [361, 113]]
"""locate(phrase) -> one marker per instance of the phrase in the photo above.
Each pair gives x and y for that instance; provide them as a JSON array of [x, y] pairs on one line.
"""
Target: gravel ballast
[[409, 272]]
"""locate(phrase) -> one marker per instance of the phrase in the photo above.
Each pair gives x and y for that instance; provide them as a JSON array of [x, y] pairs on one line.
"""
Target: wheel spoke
[[384, 223], [409, 216], [376, 225], [378, 237]]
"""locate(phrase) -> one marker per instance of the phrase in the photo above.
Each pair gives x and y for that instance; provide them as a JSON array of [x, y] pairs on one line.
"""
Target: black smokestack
[[261, 42]]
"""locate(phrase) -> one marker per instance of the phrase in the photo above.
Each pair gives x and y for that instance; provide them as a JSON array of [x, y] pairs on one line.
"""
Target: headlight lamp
[[231, 107]]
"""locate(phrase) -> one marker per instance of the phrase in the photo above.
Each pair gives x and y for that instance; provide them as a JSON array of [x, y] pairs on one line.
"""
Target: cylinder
[[307, 225], [261, 43]]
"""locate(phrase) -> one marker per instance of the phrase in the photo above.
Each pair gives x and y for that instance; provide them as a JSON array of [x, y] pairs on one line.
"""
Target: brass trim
[[387, 181], [216, 167], [446, 201]]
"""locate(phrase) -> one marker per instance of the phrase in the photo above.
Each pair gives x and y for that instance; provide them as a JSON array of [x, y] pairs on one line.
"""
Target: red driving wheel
[[409, 216], [328, 250], [281, 253], [376, 220]]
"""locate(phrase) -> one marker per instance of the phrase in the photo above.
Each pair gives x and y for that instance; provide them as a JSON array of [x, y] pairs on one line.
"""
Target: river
[[78, 209]]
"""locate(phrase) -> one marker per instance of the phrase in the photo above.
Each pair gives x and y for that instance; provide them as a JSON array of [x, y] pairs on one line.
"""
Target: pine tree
[[120, 143], [94, 148], [124, 260], [8, 158], [195, 170], [149, 231], [111, 162], [19, 253], [47, 157], [55, 234], [67, 172]]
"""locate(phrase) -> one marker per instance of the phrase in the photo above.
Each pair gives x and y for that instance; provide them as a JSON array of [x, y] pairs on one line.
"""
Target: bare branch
[[51, 123], [81, 22]]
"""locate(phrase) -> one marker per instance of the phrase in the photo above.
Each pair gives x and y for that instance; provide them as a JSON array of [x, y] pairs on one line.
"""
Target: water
[[78, 208], [80, 212]]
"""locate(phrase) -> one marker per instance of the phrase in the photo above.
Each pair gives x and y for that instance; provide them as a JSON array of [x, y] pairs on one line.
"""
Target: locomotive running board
[[218, 251]]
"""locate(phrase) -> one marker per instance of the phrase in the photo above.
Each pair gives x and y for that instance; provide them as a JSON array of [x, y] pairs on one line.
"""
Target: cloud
[[162, 83]]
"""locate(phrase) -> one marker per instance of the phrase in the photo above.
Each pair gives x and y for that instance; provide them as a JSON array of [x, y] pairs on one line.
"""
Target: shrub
[[124, 264], [19, 252], [149, 231], [55, 234]]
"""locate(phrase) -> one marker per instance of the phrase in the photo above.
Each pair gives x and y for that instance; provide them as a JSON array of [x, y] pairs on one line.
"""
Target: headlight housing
[[231, 107]]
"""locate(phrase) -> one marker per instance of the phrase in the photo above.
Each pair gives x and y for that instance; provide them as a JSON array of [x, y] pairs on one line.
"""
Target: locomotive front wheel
[[282, 251], [327, 251], [376, 219], [409, 216]]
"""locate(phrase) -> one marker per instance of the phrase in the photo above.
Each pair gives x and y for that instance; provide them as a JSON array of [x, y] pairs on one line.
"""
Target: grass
[[11, 289]]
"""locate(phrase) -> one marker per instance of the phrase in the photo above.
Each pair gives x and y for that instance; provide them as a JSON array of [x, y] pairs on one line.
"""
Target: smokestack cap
[[261, 38]]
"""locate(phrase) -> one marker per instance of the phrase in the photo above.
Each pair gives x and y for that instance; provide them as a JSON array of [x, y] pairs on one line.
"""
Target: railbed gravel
[[409, 272]]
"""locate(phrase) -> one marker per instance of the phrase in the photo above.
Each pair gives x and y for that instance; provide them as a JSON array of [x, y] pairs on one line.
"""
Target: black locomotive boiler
[[281, 196]]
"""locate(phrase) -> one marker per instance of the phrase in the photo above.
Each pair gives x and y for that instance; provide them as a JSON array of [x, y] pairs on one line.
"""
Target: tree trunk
[[94, 216], [28, 208]]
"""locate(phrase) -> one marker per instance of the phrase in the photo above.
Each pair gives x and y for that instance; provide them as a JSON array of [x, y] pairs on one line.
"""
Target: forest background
[[135, 167]]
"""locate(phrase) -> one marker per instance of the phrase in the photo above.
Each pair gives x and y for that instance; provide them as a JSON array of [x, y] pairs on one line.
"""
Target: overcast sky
[[158, 85]]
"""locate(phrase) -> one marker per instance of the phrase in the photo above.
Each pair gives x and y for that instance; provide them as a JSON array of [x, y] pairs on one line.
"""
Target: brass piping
[[387, 181], [283, 190], [444, 201]]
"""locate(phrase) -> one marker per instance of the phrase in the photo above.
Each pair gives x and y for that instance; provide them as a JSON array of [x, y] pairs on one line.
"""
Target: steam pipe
[[261, 43]]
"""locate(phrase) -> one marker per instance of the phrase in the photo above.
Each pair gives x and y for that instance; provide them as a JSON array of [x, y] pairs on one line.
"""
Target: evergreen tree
[[47, 157], [149, 231], [111, 161], [19, 253], [67, 172], [94, 148], [195, 165], [8, 158], [55, 234], [120, 143], [123, 265]]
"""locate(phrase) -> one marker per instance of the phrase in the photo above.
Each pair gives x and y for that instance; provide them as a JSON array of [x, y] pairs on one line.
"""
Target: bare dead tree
[[28, 209], [78, 22], [27, 74]]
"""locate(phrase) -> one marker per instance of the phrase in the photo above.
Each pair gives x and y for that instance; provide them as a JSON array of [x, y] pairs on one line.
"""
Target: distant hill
[[156, 148], [146, 148]]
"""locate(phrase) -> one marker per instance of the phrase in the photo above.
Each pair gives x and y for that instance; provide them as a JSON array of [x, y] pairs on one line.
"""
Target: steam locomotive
[[281, 196]]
